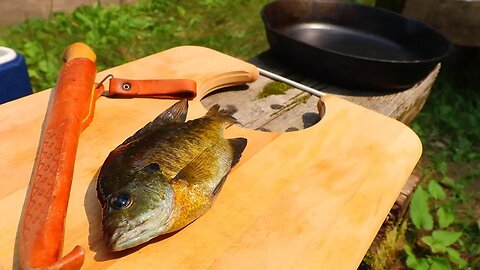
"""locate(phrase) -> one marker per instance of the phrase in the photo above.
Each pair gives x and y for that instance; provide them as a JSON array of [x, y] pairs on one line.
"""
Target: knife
[[70, 110]]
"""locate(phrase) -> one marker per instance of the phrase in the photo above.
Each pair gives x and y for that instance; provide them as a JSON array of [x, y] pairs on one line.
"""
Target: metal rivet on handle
[[126, 86]]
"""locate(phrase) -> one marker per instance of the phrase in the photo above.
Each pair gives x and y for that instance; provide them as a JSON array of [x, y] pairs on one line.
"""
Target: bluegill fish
[[165, 176]]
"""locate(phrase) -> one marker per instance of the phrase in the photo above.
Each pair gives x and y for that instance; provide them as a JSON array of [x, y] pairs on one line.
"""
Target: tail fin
[[238, 146]]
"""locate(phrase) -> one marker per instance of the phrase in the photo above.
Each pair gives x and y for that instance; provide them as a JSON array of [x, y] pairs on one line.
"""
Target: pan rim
[[446, 43]]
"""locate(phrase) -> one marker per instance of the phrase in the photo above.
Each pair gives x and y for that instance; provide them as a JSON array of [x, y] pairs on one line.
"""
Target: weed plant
[[445, 210]]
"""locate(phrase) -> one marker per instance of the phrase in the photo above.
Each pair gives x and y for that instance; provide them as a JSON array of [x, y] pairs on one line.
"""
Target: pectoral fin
[[202, 168], [212, 166]]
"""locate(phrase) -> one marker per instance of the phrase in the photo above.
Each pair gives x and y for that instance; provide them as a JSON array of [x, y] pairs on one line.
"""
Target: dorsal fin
[[222, 115], [213, 111], [177, 113]]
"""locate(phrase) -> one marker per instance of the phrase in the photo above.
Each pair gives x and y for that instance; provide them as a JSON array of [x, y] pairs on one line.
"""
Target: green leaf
[[422, 265], [447, 181], [434, 246], [419, 210], [445, 217], [31, 49], [445, 238], [43, 66], [408, 250], [84, 19], [438, 248], [411, 261], [440, 263], [454, 257], [442, 167], [417, 264], [428, 240], [140, 23], [181, 11], [435, 190]]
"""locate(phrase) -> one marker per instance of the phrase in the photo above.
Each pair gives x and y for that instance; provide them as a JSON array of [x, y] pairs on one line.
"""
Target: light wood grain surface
[[313, 198]]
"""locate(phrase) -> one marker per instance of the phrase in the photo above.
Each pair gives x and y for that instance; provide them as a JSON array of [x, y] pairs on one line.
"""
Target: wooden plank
[[274, 113], [317, 189], [257, 113], [401, 204]]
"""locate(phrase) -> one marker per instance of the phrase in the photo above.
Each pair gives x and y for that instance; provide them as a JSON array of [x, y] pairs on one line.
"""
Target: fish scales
[[190, 142], [165, 176]]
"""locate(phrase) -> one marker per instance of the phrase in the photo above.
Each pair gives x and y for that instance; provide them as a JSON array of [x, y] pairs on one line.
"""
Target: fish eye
[[153, 167], [121, 201]]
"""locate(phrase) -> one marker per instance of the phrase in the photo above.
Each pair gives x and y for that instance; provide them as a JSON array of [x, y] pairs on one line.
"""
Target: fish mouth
[[125, 235]]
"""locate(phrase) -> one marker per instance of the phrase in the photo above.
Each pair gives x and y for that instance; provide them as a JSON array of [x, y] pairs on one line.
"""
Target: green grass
[[121, 33], [449, 124]]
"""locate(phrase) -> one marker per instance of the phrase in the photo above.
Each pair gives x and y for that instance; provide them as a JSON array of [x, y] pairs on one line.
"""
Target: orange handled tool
[[72, 101], [71, 107]]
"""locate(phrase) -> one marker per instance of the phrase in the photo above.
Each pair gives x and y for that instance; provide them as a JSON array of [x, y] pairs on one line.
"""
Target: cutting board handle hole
[[310, 119], [250, 113], [322, 109]]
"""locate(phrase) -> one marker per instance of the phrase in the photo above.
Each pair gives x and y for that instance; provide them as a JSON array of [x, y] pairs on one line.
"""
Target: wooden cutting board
[[309, 199]]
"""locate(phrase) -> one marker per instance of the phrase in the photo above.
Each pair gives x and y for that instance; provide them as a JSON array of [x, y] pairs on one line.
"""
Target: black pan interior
[[351, 36], [356, 30], [339, 39]]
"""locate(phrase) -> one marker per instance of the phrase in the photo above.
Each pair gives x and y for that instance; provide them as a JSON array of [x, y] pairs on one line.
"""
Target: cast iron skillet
[[353, 45]]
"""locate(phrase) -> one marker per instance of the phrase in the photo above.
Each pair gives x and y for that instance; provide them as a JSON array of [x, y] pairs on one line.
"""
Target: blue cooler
[[14, 80]]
